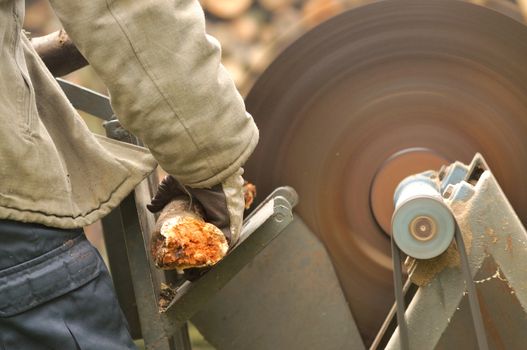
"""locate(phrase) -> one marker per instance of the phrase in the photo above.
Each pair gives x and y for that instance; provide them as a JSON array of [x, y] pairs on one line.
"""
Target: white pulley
[[422, 224]]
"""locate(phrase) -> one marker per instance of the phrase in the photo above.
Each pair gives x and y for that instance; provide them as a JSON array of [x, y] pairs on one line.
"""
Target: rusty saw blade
[[378, 93]]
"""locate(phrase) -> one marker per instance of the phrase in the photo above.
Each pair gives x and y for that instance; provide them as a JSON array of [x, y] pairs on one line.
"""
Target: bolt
[[279, 217], [448, 192], [423, 228]]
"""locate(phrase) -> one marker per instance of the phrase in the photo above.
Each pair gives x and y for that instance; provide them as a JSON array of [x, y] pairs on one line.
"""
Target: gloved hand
[[223, 204]]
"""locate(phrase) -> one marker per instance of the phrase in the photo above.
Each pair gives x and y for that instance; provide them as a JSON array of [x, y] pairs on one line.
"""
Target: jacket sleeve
[[166, 82]]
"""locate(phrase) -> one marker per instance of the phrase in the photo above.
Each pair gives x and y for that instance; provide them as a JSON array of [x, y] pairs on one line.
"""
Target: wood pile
[[253, 32]]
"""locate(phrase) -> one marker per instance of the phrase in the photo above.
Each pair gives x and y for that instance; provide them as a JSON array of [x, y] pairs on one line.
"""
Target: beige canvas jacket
[[167, 86]]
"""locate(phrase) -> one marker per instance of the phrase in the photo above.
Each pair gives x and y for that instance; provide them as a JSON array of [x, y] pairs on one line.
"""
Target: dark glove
[[222, 204]]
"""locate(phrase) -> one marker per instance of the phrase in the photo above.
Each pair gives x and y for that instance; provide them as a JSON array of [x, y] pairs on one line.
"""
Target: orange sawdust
[[249, 193], [189, 243]]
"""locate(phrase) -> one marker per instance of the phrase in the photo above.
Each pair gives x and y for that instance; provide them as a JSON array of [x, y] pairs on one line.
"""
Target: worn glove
[[222, 204]]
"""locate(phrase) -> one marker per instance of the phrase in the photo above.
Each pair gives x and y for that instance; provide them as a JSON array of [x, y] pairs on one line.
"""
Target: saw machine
[[374, 118], [387, 90]]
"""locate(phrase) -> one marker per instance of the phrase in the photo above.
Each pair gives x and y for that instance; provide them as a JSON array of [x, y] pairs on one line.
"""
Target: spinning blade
[[378, 93]]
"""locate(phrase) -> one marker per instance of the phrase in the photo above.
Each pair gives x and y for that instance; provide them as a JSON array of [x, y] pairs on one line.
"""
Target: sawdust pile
[[422, 272], [166, 295], [460, 211]]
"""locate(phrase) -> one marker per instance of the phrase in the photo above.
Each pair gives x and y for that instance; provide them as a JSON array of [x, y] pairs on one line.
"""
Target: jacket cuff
[[229, 170]]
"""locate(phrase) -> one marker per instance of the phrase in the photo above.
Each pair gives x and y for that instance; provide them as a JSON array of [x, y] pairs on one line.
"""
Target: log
[[287, 25], [275, 5], [245, 28], [522, 4], [236, 70], [183, 240], [226, 9], [259, 57], [59, 53], [317, 11]]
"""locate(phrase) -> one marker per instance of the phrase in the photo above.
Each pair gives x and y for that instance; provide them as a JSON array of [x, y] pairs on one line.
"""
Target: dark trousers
[[55, 292]]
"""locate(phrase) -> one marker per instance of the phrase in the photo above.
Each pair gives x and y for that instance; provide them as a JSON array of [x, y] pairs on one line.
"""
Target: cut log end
[[183, 240], [187, 242]]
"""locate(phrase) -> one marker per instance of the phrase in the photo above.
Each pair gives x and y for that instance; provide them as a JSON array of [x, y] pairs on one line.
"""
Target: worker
[[168, 87]]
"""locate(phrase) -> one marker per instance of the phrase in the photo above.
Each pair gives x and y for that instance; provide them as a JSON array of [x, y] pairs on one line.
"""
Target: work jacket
[[167, 86]]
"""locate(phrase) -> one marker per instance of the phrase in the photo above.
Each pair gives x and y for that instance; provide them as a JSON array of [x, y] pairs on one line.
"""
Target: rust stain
[[490, 326], [508, 247], [490, 232]]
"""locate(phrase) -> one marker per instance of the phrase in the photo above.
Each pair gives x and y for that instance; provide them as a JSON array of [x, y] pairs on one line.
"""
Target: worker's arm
[[166, 83], [168, 87]]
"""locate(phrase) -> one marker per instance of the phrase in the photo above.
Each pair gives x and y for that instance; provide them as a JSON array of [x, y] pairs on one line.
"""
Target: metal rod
[[59, 53], [399, 296], [390, 323], [87, 100], [471, 289]]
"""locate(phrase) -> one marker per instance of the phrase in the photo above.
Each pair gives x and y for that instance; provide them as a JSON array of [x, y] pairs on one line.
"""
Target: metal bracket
[[115, 130], [87, 100], [259, 229]]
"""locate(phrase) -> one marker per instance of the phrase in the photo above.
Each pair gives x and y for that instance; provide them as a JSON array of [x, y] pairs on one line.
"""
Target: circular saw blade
[[445, 76]]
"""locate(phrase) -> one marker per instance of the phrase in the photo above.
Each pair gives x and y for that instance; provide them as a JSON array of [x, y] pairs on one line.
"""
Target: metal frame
[[265, 224], [440, 313], [127, 233]]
